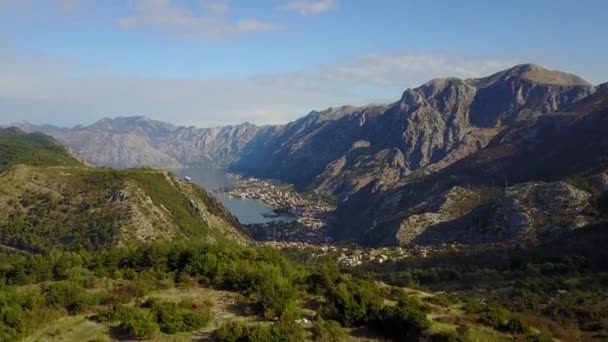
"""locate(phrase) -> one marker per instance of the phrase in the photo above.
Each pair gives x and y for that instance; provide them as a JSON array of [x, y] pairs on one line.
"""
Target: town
[[309, 230], [353, 255], [309, 211], [298, 237]]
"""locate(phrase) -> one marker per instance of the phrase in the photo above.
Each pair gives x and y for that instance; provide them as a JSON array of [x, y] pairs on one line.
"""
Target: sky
[[219, 62]]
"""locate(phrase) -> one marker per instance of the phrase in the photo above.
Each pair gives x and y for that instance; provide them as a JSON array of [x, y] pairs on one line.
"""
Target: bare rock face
[[138, 141], [529, 211], [119, 149], [446, 207], [523, 92], [542, 210]]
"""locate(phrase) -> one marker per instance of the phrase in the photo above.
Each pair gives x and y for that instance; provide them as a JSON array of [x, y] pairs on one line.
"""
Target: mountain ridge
[[510, 185], [50, 199]]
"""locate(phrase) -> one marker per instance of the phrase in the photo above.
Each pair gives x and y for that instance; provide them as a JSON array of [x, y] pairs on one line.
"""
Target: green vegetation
[[139, 326], [81, 208], [51, 200], [113, 287], [328, 331], [179, 317], [560, 287], [284, 330], [72, 219], [38, 149], [152, 316], [162, 191], [38, 222]]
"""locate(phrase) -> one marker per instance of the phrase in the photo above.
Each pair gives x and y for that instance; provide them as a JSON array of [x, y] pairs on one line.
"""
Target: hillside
[[48, 199], [17, 147], [184, 292]]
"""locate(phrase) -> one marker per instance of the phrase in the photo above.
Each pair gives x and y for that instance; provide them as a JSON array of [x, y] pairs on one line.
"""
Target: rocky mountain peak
[[128, 124], [523, 92], [532, 73]]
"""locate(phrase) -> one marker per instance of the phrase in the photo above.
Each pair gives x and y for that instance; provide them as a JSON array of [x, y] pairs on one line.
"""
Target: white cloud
[[211, 25], [387, 74], [46, 90], [310, 7]]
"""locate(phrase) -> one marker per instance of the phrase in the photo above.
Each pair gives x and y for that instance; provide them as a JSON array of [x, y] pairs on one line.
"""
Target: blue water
[[246, 210]]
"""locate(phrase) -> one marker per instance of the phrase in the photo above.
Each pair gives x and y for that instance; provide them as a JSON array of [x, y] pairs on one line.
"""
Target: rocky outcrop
[[525, 212]]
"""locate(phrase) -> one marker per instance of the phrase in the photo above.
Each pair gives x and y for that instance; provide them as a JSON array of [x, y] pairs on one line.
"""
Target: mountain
[[534, 180], [49, 199], [340, 151], [397, 169], [138, 141]]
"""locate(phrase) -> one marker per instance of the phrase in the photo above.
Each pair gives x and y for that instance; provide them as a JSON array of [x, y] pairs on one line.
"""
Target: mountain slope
[[36, 149], [534, 180], [56, 203], [340, 151]]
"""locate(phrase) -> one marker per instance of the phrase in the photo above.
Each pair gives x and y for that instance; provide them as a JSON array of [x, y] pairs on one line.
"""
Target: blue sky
[[215, 62]]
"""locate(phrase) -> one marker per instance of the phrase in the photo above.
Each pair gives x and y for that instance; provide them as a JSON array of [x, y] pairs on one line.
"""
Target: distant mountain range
[[404, 172], [137, 141]]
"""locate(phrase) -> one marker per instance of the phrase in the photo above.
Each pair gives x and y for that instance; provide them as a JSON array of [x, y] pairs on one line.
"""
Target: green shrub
[[503, 320], [328, 331], [174, 318], [353, 303], [69, 295], [117, 313], [274, 291], [540, 337], [141, 326], [405, 321], [454, 336], [282, 331], [231, 332]]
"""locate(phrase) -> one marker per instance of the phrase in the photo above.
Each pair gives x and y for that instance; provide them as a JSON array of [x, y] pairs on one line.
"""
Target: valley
[[247, 210], [303, 170], [468, 210]]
